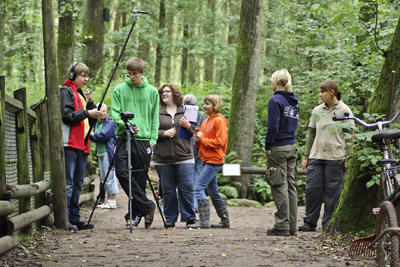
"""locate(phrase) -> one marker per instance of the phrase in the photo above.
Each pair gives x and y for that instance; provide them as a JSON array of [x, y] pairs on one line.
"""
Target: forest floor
[[244, 244]]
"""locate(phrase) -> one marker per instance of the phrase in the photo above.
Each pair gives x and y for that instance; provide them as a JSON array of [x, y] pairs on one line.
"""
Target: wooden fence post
[[22, 152], [2, 151], [37, 163]]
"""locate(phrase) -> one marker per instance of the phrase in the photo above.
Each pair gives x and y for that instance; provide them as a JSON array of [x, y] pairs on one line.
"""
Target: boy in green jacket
[[136, 95]]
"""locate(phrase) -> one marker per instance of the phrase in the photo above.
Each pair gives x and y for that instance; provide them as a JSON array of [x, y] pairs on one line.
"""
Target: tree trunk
[[185, 55], [354, 212], [210, 37], [168, 64], [159, 51], [144, 44], [93, 36], [2, 26], [54, 115], [116, 27], [244, 88], [66, 38]]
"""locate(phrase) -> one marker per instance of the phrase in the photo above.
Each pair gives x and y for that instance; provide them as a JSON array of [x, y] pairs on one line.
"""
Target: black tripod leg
[[101, 186]]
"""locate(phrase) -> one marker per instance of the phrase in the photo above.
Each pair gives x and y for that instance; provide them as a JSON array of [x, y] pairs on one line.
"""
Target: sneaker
[[72, 227], [148, 220], [276, 232], [170, 224], [191, 222], [82, 225], [108, 205], [135, 222], [306, 228]]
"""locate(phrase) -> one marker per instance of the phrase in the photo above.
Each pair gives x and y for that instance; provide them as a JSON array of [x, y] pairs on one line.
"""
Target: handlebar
[[377, 124]]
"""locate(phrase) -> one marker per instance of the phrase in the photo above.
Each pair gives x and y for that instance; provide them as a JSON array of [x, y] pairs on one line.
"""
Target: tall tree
[[245, 86], [2, 26], [159, 50], [354, 210], [53, 95], [185, 54], [209, 31], [93, 36], [66, 38]]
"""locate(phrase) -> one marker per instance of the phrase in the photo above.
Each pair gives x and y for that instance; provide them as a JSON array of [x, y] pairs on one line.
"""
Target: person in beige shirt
[[326, 154]]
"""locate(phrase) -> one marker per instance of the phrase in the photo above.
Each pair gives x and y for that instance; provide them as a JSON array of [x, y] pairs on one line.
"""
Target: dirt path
[[244, 244]]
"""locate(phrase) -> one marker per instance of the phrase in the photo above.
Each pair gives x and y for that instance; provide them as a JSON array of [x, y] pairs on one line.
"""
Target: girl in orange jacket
[[211, 140]]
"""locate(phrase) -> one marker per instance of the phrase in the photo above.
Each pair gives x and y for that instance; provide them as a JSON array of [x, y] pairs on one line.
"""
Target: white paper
[[231, 170], [191, 112]]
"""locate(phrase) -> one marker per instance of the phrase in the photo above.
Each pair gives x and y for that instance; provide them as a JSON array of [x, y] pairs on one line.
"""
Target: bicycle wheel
[[388, 245]]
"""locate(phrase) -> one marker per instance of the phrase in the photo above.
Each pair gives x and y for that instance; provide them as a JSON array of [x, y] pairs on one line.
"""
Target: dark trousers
[[141, 205], [324, 179]]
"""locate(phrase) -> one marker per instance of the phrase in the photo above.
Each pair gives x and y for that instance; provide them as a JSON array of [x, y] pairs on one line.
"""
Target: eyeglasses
[[85, 77], [166, 92]]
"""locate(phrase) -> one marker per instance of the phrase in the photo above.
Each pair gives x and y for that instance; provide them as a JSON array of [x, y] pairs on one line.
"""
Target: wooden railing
[[26, 195]]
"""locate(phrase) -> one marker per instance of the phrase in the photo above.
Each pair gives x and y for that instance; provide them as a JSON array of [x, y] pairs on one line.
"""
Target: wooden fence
[[26, 198]]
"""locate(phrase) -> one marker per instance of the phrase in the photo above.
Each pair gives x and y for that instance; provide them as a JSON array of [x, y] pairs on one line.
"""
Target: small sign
[[231, 170]]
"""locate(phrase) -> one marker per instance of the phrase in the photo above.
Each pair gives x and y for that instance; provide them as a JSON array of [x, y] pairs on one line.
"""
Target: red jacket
[[73, 115], [213, 143]]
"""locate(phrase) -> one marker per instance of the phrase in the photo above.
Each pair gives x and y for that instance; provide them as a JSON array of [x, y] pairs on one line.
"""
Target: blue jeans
[[198, 166], [75, 163], [208, 181], [111, 185], [173, 177]]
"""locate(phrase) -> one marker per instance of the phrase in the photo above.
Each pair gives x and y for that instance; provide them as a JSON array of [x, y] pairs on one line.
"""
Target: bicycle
[[386, 239]]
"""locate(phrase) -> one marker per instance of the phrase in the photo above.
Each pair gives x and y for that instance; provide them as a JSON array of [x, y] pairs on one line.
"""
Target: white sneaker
[[108, 205]]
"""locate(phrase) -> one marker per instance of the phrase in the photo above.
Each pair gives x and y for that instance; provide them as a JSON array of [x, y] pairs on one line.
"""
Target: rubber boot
[[204, 215], [222, 212]]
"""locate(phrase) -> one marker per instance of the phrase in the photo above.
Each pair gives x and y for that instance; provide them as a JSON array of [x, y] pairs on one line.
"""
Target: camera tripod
[[130, 134]]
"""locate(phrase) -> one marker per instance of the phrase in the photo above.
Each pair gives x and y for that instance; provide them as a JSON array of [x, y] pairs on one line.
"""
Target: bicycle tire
[[388, 245]]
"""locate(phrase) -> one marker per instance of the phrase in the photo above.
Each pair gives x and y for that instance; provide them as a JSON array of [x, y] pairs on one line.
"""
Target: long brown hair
[[176, 93]]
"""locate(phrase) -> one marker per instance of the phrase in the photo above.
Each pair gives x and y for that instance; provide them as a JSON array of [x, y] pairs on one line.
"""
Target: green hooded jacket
[[143, 101]]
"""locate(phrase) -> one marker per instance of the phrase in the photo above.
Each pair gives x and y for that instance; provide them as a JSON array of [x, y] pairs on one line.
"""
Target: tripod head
[[125, 116]]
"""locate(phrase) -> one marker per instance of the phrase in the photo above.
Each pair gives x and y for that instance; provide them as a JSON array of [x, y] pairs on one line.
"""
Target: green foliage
[[262, 190]]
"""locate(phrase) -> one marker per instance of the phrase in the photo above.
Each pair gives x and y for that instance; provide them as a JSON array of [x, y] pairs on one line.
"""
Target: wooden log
[[23, 220], [49, 220], [26, 190], [86, 197], [8, 243], [254, 170], [6, 208], [89, 179]]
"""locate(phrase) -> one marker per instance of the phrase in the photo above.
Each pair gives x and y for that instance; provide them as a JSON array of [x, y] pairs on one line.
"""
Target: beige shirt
[[329, 142]]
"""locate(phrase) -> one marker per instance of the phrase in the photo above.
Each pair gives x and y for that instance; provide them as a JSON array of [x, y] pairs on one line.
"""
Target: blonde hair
[[216, 101], [284, 78]]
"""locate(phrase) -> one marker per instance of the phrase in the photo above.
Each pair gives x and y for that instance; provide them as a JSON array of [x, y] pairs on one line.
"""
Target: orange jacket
[[213, 143]]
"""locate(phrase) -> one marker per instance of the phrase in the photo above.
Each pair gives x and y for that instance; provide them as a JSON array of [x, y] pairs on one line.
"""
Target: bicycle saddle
[[389, 134]]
